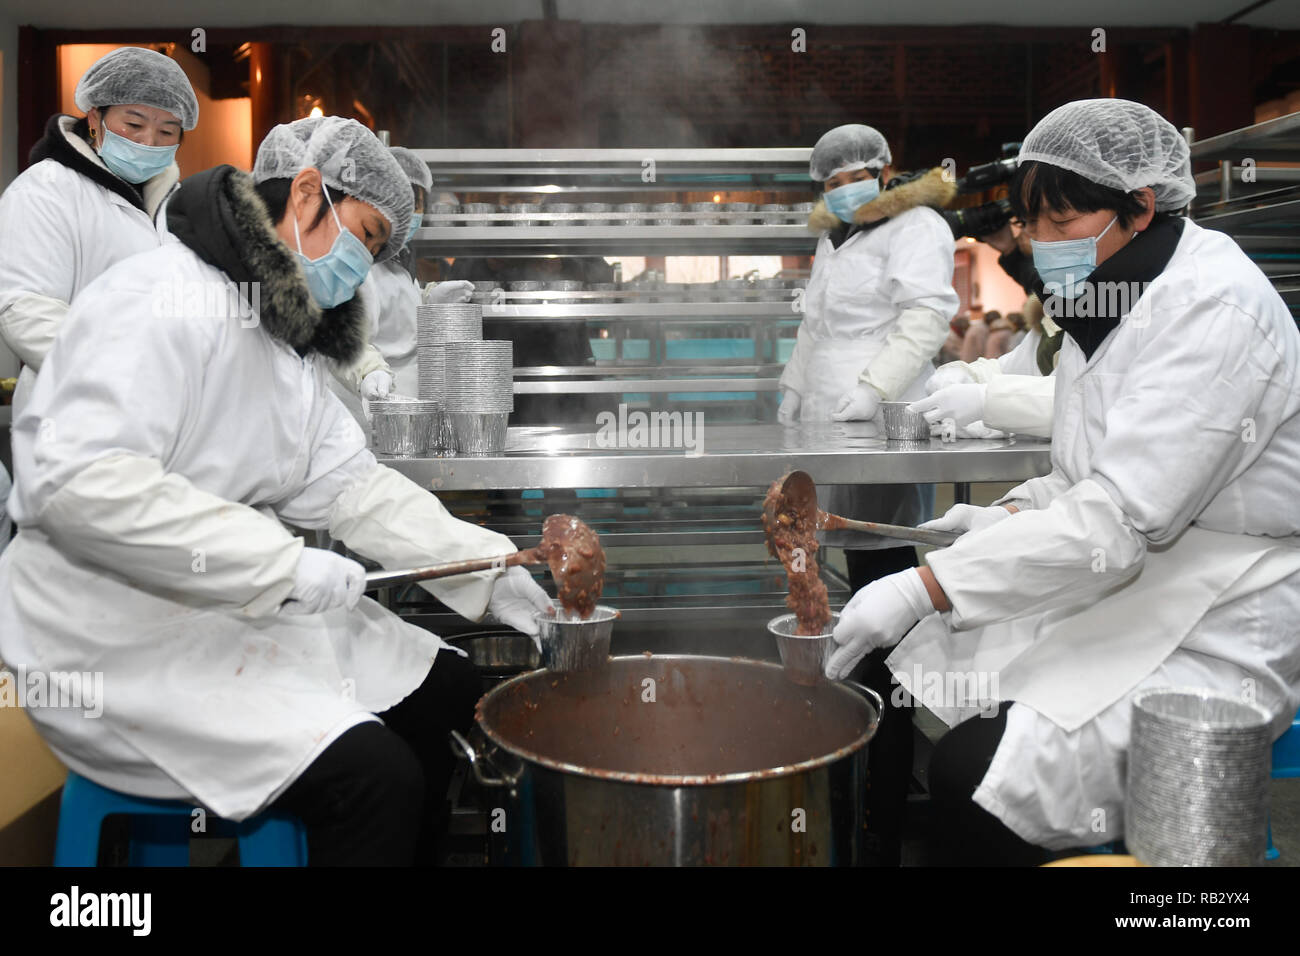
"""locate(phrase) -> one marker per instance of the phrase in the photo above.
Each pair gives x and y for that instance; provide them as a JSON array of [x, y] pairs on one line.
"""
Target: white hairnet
[[1115, 143], [350, 158], [416, 169], [846, 148], [132, 74]]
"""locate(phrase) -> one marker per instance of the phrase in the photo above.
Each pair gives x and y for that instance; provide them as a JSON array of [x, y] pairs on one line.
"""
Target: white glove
[[325, 580], [377, 384], [516, 600], [859, 405], [878, 616], [456, 290], [787, 413], [963, 518], [961, 403], [951, 373]]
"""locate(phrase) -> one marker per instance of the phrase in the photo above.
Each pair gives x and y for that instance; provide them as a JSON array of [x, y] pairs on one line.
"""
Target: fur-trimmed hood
[[932, 189], [63, 142], [219, 215]]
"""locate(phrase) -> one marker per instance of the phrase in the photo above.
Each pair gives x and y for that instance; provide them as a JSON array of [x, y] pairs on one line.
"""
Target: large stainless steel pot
[[674, 760]]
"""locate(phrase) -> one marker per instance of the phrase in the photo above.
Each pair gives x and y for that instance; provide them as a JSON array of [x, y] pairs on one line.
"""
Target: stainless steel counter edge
[[740, 456]]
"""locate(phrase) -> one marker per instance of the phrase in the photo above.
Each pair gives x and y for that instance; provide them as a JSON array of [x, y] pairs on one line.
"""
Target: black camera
[[988, 218]]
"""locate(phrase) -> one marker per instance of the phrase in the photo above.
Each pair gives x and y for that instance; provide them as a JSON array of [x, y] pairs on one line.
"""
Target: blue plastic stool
[[160, 830], [1286, 764]]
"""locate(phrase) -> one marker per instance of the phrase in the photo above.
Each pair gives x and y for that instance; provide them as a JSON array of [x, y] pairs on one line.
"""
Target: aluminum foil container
[[704, 207], [435, 214], [665, 207], [404, 429], [1198, 774], [524, 208], [803, 656], [559, 207], [483, 209], [477, 433], [597, 207], [902, 425], [572, 644], [631, 207]]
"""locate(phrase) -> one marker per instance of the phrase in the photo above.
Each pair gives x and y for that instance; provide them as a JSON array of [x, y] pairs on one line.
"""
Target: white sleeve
[[1173, 440], [1023, 359], [915, 338], [792, 377], [37, 259], [1037, 492], [1021, 404], [90, 449], [1078, 547], [390, 519], [919, 282]]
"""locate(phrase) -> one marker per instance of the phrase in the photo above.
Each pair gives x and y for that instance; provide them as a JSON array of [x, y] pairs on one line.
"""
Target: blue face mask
[[844, 200], [416, 219], [1066, 264], [131, 161], [335, 276]]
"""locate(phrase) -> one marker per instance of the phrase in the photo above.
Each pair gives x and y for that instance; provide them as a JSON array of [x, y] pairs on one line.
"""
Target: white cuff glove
[[878, 616], [961, 403], [952, 373], [456, 290], [325, 580], [963, 518], [859, 405], [517, 600], [787, 413], [377, 384]]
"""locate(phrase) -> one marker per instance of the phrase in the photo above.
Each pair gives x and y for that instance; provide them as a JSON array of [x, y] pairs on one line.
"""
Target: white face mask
[[1065, 265]]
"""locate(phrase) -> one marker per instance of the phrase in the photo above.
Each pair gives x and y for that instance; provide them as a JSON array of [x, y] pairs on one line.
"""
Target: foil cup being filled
[[572, 644], [803, 656]]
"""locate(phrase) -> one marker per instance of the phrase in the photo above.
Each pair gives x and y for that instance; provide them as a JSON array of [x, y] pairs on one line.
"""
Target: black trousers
[[962, 833], [377, 795], [889, 759]]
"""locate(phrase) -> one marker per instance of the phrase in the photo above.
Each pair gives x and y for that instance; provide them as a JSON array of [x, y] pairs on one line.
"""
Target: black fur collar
[[219, 215], [65, 143]]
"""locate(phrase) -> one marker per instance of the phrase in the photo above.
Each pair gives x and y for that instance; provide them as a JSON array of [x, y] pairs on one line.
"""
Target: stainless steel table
[[725, 456]]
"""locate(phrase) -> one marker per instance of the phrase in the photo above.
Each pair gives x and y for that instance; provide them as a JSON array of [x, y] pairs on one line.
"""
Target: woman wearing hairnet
[[392, 294], [165, 441], [876, 310], [1160, 550], [91, 197]]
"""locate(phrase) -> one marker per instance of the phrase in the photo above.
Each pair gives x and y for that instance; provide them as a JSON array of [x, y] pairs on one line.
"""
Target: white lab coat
[[878, 306], [59, 230], [6, 525], [1161, 549], [1019, 397], [152, 464], [393, 322]]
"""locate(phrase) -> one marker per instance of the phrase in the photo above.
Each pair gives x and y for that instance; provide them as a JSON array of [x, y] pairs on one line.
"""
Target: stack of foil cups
[[478, 395], [1198, 772], [439, 325]]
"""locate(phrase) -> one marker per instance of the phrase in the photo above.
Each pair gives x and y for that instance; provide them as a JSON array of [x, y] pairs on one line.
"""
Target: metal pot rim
[[686, 780]]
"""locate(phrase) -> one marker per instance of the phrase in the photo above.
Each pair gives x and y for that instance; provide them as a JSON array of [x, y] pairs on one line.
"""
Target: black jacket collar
[[1098, 308], [219, 215], [64, 143]]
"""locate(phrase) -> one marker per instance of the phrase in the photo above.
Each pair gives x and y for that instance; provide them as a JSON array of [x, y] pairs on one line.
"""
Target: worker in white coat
[[1161, 549], [92, 196], [391, 296], [988, 398], [166, 439], [876, 311]]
